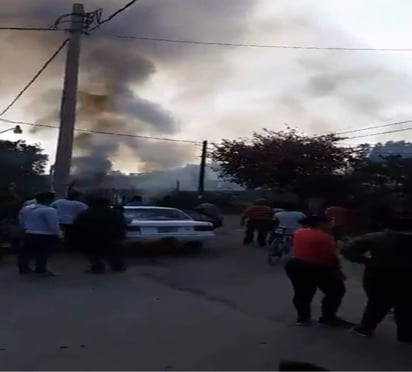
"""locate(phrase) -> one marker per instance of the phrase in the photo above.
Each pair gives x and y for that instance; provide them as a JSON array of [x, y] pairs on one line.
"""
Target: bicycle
[[280, 243]]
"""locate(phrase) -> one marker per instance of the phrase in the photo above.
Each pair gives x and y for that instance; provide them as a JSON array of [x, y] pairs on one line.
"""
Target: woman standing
[[315, 265]]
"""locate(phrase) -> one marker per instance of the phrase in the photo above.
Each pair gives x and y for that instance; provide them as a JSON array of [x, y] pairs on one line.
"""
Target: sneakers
[[335, 322], [363, 332]]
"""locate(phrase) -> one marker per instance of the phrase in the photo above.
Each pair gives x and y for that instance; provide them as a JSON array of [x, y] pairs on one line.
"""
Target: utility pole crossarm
[[68, 105]]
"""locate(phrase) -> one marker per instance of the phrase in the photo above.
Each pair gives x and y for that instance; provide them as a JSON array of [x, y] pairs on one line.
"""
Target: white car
[[149, 224]]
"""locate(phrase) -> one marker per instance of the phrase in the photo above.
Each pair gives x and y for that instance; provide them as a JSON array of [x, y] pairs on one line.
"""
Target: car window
[[155, 214]]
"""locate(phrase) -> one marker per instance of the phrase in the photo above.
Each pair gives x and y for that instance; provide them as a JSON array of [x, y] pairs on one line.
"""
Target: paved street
[[221, 309]]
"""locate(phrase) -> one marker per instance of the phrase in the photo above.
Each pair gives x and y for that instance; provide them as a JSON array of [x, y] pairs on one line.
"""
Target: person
[[67, 211], [315, 265], [100, 231], [289, 219], [339, 215], [10, 231], [136, 201], [387, 278], [41, 234], [29, 202], [258, 218], [211, 211]]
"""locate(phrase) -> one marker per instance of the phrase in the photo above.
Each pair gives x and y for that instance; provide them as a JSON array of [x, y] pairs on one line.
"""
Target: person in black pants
[[306, 279], [387, 278], [37, 247], [99, 232], [315, 265], [258, 218]]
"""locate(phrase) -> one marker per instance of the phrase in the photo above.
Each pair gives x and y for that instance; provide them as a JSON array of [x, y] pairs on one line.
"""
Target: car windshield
[[155, 214]]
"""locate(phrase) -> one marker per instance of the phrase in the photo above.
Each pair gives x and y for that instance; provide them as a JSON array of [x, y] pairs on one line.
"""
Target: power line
[[28, 29], [96, 15], [379, 133], [108, 19], [138, 136], [245, 45], [375, 127], [91, 131], [28, 85]]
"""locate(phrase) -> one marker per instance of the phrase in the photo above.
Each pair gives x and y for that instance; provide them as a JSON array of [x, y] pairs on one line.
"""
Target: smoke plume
[[111, 74], [217, 92]]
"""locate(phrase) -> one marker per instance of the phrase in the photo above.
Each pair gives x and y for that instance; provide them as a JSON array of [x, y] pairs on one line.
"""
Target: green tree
[[288, 161], [21, 165]]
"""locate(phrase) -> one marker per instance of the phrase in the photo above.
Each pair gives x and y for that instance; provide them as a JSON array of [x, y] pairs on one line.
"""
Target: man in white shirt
[[67, 212], [41, 234], [290, 220]]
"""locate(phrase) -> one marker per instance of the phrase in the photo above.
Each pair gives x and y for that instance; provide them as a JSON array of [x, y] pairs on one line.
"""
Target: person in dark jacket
[[100, 231], [387, 279]]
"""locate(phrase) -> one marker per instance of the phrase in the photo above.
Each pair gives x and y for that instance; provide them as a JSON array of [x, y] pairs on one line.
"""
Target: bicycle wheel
[[275, 250], [287, 245]]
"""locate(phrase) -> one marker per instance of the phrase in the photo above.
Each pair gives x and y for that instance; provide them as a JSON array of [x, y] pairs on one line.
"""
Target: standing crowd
[[317, 244], [91, 226]]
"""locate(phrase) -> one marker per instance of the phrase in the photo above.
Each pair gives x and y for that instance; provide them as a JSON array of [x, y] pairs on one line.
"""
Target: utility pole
[[68, 104], [202, 171]]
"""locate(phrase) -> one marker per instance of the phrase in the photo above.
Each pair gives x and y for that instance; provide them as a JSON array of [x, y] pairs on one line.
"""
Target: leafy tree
[[21, 165], [390, 148], [287, 161]]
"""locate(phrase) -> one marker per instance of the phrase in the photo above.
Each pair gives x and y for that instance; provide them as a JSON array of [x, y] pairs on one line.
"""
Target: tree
[[21, 165], [391, 148], [287, 161], [387, 167]]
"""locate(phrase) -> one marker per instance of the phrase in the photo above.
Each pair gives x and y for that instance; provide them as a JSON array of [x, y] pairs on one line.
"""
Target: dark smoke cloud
[[316, 91], [113, 70]]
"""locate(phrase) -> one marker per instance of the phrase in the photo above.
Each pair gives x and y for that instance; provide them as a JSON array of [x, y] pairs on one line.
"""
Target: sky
[[198, 92]]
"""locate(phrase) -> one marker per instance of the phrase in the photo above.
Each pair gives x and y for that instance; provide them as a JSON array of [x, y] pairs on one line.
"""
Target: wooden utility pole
[[68, 105], [202, 171]]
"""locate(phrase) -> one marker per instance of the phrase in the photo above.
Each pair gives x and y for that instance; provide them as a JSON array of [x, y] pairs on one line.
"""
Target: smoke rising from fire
[[310, 90], [111, 75]]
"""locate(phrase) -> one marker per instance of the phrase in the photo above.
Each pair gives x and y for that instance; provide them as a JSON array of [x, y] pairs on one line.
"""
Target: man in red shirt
[[259, 217], [315, 265]]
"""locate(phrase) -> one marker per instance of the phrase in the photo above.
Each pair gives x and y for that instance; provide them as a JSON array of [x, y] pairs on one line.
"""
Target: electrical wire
[[27, 29], [374, 127], [96, 16], [91, 131], [379, 133], [108, 19], [36, 76], [245, 45]]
